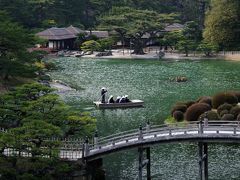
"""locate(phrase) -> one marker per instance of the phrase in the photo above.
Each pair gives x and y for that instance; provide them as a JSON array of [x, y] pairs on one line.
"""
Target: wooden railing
[[158, 133]]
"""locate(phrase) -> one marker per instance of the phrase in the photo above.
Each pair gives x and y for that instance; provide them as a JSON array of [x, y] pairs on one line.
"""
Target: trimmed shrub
[[224, 106], [237, 94], [224, 97], [235, 111], [179, 107], [206, 99], [223, 112], [211, 115], [229, 117], [194, 111], [189, 103], [178, 115]]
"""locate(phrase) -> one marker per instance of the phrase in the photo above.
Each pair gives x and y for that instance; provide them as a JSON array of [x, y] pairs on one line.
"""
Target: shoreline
[[119, 54], [168, 56]]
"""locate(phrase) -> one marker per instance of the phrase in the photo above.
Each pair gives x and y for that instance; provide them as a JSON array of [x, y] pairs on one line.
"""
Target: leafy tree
[[172, 38], [186, 46], [222, 23], [207, 48], [106, 43], [134, 24], [91, 46], [15, 60]]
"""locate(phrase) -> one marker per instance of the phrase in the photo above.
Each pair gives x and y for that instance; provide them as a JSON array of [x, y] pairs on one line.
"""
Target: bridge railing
[[136, 134]]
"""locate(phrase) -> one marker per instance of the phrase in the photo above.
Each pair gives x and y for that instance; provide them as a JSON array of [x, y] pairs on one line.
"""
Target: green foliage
[[207, 48], [172, 38], [15, 60], [228, 117], [91, 46], [223, 112], [186, 46], [235, 111], [224, 106], [106, 43], [222, 23], [224, 97], [134, 23], [194, 111], [211, 115]]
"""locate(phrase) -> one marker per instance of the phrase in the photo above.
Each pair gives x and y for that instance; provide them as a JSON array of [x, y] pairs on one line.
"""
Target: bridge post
[[200, 127], [86, 146], [205, 151], [140, 136], [148, 126], [200, 158], [148, 164], [95, 139], [140, 162]]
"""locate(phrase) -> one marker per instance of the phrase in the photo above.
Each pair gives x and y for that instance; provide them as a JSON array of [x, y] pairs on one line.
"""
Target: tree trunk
[[138, 47]]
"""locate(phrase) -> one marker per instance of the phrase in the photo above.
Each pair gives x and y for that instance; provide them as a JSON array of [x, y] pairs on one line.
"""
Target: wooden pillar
[[200, 158], [140, 162], [205, 151], [148, 164]]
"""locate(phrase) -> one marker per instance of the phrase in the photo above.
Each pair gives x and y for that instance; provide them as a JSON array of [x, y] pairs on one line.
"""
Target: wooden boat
[[133, 103]]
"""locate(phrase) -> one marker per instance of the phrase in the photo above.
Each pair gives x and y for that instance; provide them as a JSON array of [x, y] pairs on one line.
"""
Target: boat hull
[[132, 104]]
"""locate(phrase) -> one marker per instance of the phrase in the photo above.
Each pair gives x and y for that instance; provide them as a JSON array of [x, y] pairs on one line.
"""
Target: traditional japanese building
[[64, 38]]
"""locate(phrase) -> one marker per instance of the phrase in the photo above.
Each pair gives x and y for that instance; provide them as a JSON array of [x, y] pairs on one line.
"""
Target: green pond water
[[149, 80]]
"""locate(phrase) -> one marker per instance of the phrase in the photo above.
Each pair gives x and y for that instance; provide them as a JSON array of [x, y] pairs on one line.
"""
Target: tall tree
[[134, 24], [223, 23], [15, 60]]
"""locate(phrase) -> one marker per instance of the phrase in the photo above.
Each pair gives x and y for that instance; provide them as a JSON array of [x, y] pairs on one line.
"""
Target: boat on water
[[131, 104]]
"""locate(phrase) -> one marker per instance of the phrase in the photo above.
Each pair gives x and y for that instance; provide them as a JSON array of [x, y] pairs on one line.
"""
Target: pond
[[150, 81]]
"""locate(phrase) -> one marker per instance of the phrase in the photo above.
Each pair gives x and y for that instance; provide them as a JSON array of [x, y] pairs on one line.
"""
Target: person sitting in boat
[[111, 100], [103, 92], [126, 99], [118, 99], [122, 100]]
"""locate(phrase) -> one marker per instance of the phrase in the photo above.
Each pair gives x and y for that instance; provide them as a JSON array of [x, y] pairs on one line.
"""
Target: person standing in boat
[[111, 100], [103, 92]]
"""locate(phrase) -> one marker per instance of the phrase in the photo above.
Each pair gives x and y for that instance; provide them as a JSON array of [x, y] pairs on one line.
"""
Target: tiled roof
[[68, 33], [174, 27], [99, 34], [74, 30], [56, 34]]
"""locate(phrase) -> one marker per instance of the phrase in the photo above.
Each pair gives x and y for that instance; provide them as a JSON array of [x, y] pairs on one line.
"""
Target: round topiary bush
[[210, 115], [237, 94], [223, 112], [224, 97], [235, 111], [189, 103], [194, 111], [205, 99], [224, 106], [178, 115], [229, 117], [179, 107]]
